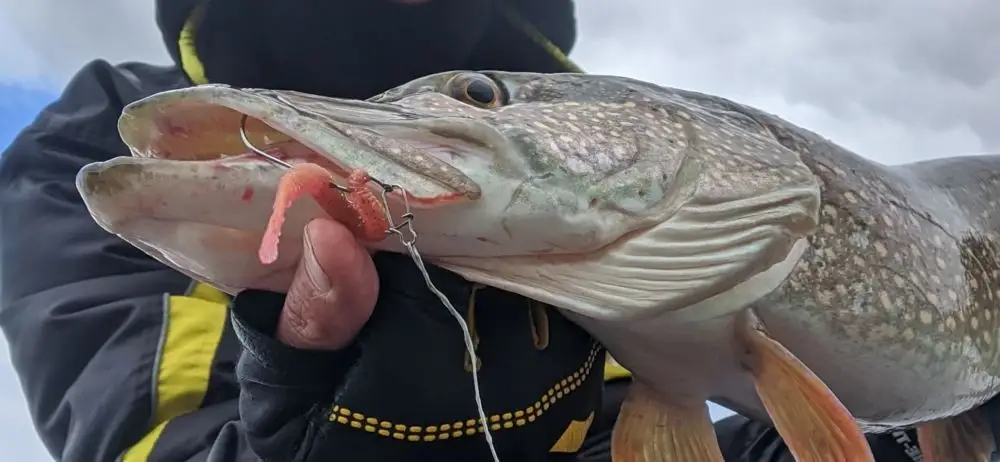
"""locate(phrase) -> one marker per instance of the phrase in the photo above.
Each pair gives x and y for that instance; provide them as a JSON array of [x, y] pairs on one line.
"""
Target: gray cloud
[[895, 80], [17, 61], [62, 36]]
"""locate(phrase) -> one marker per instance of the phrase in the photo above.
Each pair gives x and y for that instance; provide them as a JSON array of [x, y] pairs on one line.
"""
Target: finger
[[333, 292]]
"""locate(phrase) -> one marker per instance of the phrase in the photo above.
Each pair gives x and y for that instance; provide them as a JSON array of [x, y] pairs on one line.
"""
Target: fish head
[[615, 198], [560, 164], [550, 185]]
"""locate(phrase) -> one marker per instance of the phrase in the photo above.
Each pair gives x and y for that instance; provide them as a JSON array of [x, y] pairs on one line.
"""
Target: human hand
[[333, 292]]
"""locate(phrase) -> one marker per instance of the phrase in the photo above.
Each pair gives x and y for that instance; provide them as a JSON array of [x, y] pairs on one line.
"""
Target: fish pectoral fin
[[650, 430], [812, 421], [966, 437]]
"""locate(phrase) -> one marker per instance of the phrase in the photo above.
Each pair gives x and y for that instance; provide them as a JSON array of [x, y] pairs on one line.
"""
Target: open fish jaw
[[203, 122]]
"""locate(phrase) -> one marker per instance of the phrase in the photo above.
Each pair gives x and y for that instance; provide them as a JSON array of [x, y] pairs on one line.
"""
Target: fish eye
[[477, 90]]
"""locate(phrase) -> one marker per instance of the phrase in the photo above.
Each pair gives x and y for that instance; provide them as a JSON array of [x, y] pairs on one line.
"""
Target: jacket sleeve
[[283, 388], [119, 357]]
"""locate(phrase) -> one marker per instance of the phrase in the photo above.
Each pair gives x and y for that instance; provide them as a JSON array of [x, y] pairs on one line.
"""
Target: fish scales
[[718, 251], [903, 269]]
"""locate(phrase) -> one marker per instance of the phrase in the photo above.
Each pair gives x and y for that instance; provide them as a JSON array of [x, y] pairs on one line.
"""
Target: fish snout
[[101, 179]]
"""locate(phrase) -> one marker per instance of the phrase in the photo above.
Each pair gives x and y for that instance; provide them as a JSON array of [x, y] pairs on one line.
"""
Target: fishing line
[[409, 238], [417, 260]]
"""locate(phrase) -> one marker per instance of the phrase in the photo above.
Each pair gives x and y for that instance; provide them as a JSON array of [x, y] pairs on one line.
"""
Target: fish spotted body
[[717, 251]]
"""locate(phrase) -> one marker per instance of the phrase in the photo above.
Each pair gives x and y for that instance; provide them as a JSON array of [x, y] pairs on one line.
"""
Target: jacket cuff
[[255, 316]]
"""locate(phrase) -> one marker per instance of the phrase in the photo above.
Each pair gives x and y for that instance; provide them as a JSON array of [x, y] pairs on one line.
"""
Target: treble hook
[[277, 161]]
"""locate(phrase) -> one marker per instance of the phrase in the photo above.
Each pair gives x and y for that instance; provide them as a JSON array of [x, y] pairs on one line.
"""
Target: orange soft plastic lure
[[359, 210]]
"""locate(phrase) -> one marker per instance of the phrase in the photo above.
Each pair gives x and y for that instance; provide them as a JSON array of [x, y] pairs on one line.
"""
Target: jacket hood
[[359, 48]]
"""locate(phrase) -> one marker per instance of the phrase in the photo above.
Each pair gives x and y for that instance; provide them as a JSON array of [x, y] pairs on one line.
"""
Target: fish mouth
[[418, 156]]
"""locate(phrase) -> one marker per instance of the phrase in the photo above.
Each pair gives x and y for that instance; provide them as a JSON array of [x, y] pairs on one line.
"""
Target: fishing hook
[[278, 162], [255, 150]]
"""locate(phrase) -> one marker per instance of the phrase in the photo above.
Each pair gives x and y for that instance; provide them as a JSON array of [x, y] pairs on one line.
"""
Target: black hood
[[358, 48]]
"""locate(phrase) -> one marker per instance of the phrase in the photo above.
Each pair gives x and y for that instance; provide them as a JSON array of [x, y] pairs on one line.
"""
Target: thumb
[[333, 292]]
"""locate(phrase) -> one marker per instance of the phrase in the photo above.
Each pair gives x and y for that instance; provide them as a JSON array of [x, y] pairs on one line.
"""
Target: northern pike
[[718, 252]]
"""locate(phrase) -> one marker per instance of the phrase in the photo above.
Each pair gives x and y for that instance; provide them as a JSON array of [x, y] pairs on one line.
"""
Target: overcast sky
[[894, 80]]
